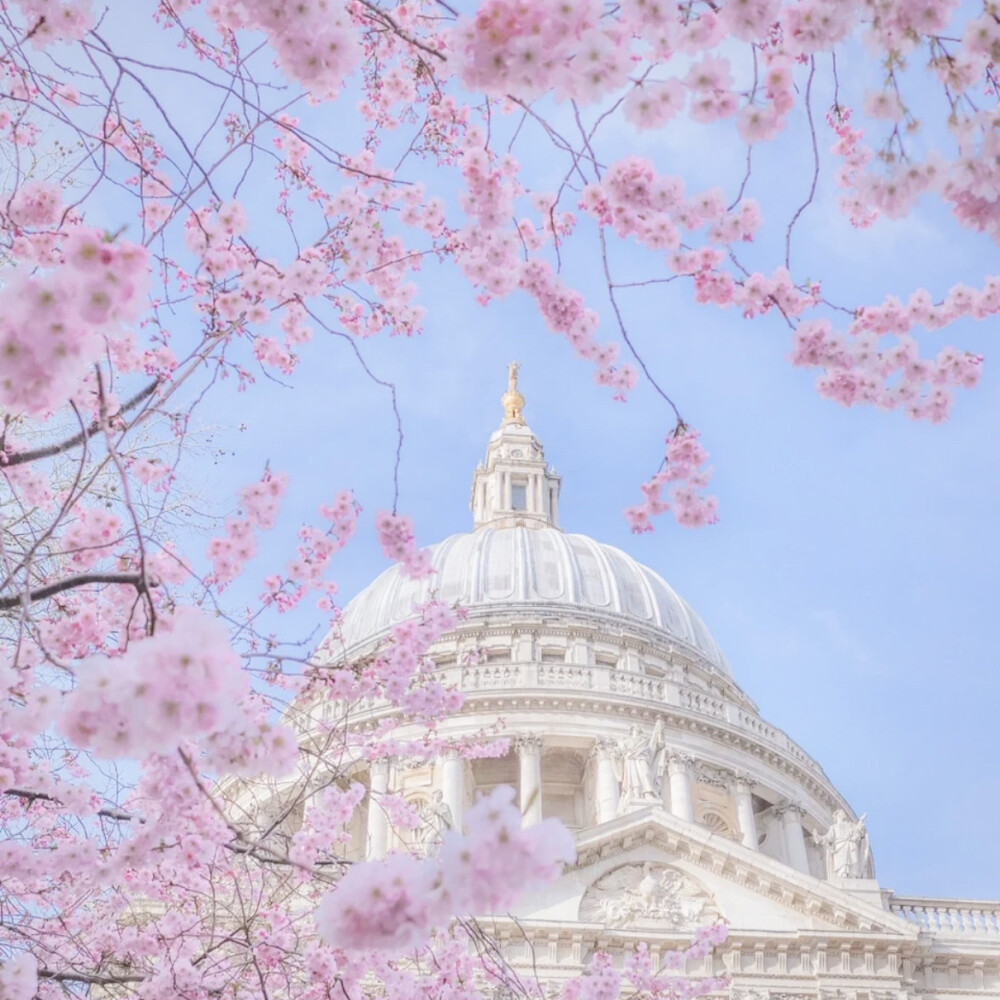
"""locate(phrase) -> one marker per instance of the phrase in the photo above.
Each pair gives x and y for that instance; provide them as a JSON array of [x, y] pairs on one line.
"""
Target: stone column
[[453, 786], [529, 753], [744, 810], [378, 822], [606, 784], [795, 842], [681, 801]]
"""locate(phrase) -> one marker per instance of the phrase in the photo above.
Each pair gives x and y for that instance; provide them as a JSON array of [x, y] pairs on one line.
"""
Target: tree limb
[[81, 580], [19, 458]]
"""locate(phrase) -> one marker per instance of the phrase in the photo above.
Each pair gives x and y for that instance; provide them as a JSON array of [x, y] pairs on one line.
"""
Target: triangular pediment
[[652, 871]]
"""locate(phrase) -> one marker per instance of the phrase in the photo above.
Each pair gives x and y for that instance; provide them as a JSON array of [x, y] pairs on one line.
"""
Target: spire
[[512, 400], [515, 486]]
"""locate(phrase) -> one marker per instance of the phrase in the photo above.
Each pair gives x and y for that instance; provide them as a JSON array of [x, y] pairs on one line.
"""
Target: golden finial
[[513, 401]]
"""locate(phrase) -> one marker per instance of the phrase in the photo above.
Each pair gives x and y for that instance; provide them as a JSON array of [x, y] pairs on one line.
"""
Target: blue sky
[[851, 579]]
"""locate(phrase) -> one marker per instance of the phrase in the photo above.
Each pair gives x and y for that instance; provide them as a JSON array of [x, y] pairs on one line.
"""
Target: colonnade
[[677, 795]]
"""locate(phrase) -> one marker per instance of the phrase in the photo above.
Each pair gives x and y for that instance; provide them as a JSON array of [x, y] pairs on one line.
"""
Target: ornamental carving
[[760, 993], [749, 993], [649, 895], [718, 777]]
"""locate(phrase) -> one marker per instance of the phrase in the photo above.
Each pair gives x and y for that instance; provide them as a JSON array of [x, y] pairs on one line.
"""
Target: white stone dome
[[525, 569]]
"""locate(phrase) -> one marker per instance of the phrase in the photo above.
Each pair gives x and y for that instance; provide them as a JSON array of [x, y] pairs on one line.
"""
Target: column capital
[[790, 812], [380, 765], [604, 746], [679, 763], [743, 780], [528, 743]]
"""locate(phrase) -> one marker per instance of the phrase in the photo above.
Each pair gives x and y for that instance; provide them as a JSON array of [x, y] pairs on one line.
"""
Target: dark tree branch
[[16, 600], [48, 451], [108, 812], [90, 978]]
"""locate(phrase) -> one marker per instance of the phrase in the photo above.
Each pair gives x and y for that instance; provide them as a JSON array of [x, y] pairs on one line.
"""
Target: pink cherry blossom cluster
[[259, 507], [324, 827], [763, 122], [393, 905], [182, 682], [210, 235], [638, 968], [150, 472], [315, 43], [639, 202], [54, 21], [683, 466], [526, 48], [315, 550], [564, 312], [19, 977], [91, 537], [252, 743], [490, 254], [398, 541], [858, 370], [238, 290], [55, 325], [970, 181], [402, 815], [404, 660], [856, 157], [602, 981], [402, 673], [34, 205]]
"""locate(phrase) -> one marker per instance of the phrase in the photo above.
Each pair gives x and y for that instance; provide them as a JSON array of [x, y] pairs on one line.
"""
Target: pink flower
[[35, 204], [392, 906]]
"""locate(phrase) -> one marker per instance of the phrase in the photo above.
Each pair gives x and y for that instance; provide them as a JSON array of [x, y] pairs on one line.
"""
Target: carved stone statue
[[637, 759], [435, 821], [846, 843]]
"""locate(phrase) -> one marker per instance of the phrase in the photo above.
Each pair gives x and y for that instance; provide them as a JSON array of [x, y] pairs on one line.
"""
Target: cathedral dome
[[517, 561], [526, 569]]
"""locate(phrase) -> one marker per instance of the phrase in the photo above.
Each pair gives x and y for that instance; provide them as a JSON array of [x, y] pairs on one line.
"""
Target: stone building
[[628, 725]]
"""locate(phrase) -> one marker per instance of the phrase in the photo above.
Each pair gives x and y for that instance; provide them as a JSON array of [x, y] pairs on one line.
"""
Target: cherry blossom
[[392, 906], [269, 195]]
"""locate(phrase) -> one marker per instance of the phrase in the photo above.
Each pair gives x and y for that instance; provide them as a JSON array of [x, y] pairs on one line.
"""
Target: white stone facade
[[627, 725]]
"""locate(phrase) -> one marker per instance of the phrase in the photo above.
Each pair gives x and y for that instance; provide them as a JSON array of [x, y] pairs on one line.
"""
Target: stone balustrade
[[597, 678], [966, 917]]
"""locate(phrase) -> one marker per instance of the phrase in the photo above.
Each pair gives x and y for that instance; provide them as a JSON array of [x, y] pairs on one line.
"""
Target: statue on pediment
[[847, 851]]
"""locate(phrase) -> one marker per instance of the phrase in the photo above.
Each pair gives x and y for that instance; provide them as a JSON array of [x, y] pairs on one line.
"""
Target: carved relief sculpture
[[648, 894]]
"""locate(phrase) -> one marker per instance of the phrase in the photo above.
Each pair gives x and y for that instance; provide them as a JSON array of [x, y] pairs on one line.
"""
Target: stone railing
[[598, 679], [966, 917]]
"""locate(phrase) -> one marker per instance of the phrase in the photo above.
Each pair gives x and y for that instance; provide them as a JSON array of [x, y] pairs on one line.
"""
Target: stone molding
[[763, 875], [803, 980]]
